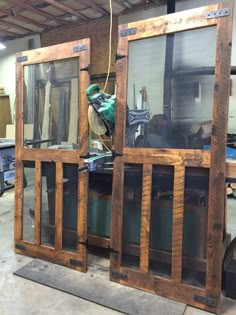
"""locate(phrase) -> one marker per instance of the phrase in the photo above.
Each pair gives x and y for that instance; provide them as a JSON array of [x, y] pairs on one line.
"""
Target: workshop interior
[[118, 145]]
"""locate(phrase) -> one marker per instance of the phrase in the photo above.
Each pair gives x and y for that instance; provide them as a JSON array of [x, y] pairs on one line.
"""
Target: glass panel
[[132, 203], [161, 220], [28, 200], [195, 226], [51, 104], [70, 206], [48, 203], [170, 90], [99, 202]]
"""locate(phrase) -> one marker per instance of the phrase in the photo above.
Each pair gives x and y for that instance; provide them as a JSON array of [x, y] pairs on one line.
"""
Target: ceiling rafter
[[17, 16], [96, 7], [27, 20], [67, 9], [28, 6], [10, 24], [7, 33]]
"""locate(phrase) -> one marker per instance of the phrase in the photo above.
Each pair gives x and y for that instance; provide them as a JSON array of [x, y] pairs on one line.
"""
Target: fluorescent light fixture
[[2, 46]]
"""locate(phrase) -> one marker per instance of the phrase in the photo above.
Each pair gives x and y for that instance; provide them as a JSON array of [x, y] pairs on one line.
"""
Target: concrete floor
[[22, 297]]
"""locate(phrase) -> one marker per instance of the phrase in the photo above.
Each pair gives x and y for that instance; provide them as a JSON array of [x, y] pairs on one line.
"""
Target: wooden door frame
[[78, 260], [215, 160]]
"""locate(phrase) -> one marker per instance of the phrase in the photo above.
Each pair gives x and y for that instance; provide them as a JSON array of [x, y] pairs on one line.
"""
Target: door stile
[[38, 196], [145, 218]]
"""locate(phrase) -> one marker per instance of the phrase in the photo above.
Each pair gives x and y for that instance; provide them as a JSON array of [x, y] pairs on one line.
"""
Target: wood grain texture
[[177, 227], [215, 159], [145, 218], [18, 226], [37, 209], [53, 53], [74, 112], [191, 158], [61, 257], [18, 215], [173, 23], [231, 169], [164, 287], [117, 214], [59, 206], [82, 216], [58, 52], [51, 155], [218, 144], [121, 94], [84, 82]]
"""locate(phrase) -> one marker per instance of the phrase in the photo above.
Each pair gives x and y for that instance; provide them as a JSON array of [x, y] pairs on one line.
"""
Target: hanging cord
[[103, 143], [109, 58], [109, 65]]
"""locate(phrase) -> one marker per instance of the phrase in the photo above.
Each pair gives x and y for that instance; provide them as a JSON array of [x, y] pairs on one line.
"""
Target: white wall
[[7, 64]]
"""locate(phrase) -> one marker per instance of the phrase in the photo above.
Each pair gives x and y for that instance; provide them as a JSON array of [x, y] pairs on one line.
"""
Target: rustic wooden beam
[[177, 227], [11, 13], [32, 9], [38, 195], [67, 9], [59, 206], [7, 33], [96, 7], [145, 218], [10, 24]]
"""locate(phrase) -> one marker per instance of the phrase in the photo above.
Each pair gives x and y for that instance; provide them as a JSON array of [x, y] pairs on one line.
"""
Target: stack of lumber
[[231, 190]]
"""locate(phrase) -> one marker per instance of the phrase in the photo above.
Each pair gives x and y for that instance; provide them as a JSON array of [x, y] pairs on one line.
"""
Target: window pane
[[195, 226], [51, 104], [28, 200], [170, 90], [48, 204], [132, 204], [161, 221], [70, 206]]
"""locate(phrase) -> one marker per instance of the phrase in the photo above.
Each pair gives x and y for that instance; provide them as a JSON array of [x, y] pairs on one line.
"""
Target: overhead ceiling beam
[[29, 7], [142, 6], [67, 9], [7, 33], [96, 7], [10, 24], [12, 13]]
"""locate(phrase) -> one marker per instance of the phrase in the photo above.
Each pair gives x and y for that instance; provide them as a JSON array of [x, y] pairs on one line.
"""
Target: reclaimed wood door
[[168, 203], [51, 180]]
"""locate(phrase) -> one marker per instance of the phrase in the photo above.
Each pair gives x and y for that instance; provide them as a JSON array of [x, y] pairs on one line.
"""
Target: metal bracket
[[119, 275], [118, 57], [88, 68], [76, 262], [19, 246], [79, 48], [83, 168], [218, 13], [115, 154], [85, 243], [205, 300], [22, 58], [128, 31]]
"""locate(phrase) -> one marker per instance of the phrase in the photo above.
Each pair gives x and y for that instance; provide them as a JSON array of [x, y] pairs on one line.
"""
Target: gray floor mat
[[99, 290]]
